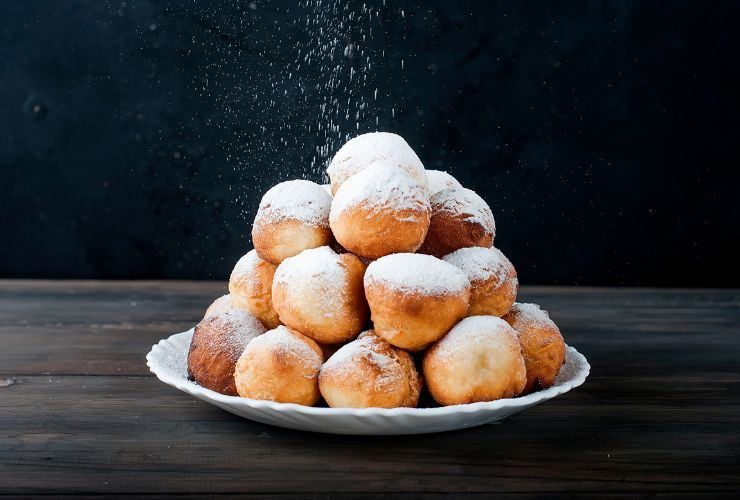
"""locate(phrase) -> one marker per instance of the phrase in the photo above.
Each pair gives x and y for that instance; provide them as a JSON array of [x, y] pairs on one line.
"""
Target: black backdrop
[[137, 137]]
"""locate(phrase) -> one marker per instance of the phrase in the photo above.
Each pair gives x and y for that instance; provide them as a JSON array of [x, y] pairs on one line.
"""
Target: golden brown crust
[[413, 320], [479, 360], [373, 234], [276, 241], [492, 297], [250, 286], [542, 345], [305, 308], [369, 372], [448, 233], [217, 342], [282, 366]]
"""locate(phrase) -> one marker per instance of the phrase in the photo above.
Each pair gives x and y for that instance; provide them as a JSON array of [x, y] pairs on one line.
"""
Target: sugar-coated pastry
[[217, 342], [415, 299], [320, 294], [223, 303], [327, 188], [478, 360], [379, 211], [282, 365], [369, 372], [292, 217], [493, 280], [460, 219], [439, 180], [250, 285], [376, 147], [543, 347]]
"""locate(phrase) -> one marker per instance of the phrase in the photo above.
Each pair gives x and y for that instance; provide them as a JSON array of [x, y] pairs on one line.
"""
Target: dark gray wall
[[137, 137]]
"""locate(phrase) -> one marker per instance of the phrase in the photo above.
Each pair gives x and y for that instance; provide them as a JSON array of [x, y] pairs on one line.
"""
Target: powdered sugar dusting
[[481, 264], [439, 180], [300, 200], [465, 203], [367, 149], [471, 331], [316, 272], [235, 327], [283, 339], [367, 346], [244, 269], [223, 303], [380, 187], [416, 273], [527, 315]]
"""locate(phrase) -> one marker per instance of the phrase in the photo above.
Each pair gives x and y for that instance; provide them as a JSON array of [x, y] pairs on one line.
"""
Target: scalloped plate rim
[[518, 403]]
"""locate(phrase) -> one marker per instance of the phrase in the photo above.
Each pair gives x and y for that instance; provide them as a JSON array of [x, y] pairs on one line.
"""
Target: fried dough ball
[[292, 217], [493, 280], [376, 147], [379, 211], [320, 294], [460, 219], [282, 365], [478, 360], [369, 372], [415, 299], [439, 180], [223, 303], [542, 344], [250, 285], [217, 342]]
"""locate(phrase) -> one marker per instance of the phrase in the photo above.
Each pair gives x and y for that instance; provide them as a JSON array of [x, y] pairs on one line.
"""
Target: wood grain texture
[[80, 414]]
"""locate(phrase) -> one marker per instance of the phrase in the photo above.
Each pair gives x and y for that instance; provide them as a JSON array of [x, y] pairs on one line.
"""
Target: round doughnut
[[292, 217], [493, 280], [376, 147], [250, 285], [369, 372], [217, 342], [327, 188], [379, 211], [460, 219], [223, 303], [479, 360], [415, 299], [542, 344], [282, 365], [320, 294], [439, 180]]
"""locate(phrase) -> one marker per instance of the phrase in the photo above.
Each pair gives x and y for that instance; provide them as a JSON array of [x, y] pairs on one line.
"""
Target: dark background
[[137, 137]]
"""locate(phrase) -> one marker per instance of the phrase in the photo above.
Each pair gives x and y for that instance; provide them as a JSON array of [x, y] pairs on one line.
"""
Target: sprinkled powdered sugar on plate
[[439, 180], [282, 339], [416, 273], [316, 273], [380, 187], [480, 264], [368, 149], [465, 203], [300, 200]]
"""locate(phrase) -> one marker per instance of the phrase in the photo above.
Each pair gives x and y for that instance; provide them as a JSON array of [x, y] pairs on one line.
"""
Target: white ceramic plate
[[168, 361]]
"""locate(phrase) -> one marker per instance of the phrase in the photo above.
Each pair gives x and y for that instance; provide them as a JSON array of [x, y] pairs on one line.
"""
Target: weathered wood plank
[[80, 414], [133, 434]]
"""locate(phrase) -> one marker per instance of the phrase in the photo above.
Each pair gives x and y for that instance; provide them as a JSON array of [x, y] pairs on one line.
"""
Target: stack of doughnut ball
[[360, 292]]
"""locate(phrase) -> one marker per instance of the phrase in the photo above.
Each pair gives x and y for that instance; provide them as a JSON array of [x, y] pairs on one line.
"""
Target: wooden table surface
[[81, 414]]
